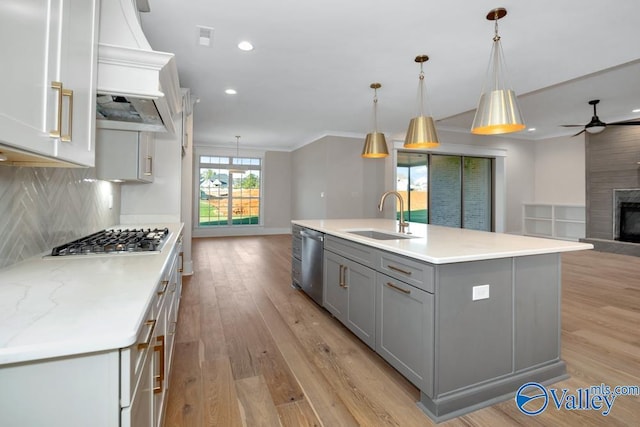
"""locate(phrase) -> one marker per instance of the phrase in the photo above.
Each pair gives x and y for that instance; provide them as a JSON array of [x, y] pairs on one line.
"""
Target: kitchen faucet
[[401, 223]]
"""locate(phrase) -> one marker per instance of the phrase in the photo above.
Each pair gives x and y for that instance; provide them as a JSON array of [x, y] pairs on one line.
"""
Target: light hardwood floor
[[252, 351]]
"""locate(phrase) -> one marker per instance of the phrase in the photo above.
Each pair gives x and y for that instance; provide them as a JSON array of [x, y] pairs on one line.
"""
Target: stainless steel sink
[[380, 235]]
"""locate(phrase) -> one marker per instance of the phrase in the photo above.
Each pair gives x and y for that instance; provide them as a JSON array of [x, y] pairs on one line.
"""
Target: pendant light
[[235, 170], [375, 145], [498, 110], [422, 131]]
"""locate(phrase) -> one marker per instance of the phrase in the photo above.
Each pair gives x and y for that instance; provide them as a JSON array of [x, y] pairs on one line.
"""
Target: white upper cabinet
[[124, 155], [48, 79]]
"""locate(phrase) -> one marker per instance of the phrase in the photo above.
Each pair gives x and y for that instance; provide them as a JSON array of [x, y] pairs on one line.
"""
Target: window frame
[[461, 157], [218, 153]]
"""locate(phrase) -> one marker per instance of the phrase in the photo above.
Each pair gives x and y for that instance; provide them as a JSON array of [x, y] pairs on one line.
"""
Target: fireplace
[[629, 222], [626, 215]]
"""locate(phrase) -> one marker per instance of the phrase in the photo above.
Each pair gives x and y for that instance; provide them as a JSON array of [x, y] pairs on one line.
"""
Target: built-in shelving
[[566, 222]]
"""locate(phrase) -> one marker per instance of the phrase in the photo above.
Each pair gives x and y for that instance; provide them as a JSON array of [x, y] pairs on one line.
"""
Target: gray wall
[[41, 208], [331, 180], [277, 180], [611, 163]]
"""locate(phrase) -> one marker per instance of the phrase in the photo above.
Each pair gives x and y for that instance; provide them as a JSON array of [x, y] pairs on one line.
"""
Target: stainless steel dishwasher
[[312, 264]]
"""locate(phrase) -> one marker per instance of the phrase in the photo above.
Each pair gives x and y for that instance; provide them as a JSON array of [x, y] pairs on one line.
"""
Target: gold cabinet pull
[[149, 170], [165, 283], [399, 270], [147, 341], [397, 288], [67, 138], [55, 133], [160, 376]]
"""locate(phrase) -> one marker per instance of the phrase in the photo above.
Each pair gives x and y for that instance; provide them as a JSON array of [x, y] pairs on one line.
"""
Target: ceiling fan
[[596, 125]]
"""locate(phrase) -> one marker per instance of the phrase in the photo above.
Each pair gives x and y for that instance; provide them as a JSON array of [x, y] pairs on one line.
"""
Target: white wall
[[160, 201], [560, 171], [277, 190], [309, 181]]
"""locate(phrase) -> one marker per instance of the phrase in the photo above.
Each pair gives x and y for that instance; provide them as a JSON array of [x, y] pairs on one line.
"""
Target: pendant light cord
[[375, 110], [496, 56], [421, 78]]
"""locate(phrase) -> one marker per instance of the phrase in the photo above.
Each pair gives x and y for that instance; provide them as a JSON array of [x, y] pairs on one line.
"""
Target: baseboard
[[470, 399], [238, 231]]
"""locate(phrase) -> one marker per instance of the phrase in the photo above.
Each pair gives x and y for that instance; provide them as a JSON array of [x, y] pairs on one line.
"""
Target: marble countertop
[[60, 306], [443, 245]]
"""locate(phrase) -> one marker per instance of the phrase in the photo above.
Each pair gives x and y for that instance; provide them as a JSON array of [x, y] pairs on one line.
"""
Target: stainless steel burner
[[115, 241]]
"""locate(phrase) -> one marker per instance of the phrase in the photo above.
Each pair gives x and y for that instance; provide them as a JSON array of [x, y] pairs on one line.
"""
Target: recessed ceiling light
[[245, 45], [230, 92], [531, 130], [637, 110]]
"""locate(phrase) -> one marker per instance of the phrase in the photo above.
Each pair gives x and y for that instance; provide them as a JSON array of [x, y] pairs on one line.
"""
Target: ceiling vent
[[205, 36]]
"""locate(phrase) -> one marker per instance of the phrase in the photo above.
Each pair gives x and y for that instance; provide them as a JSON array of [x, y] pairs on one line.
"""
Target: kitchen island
[[88, 339], [467, 316]]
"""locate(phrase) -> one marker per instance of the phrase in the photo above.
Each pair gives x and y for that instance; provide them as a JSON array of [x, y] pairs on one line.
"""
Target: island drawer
[[416, 273], [361, 254]]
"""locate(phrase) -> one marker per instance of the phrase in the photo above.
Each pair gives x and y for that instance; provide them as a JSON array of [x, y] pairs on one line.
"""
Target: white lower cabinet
[[405, 330], [125, 387], [62, 392], [139, 413]]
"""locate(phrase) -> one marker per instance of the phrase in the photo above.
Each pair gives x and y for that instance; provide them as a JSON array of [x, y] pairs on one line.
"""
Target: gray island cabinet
[[468, 332]]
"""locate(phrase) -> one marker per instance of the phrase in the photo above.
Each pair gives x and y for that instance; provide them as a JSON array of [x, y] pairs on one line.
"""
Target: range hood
[[138, 87]]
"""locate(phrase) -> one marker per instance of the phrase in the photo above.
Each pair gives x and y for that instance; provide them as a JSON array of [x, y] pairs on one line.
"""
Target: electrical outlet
[[480, 292]]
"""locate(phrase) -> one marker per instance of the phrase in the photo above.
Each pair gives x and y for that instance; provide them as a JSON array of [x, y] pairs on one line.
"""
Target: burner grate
[[115, 241]]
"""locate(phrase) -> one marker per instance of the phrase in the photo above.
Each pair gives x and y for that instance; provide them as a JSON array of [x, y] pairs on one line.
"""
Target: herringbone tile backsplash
[[41, 208]]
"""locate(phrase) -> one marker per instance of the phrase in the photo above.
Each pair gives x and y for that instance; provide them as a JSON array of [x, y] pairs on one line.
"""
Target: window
[[450, 190], [229, 191], [412, 183]]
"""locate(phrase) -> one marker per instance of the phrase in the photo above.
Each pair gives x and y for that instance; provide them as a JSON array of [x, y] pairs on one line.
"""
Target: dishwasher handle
[[317, 237]]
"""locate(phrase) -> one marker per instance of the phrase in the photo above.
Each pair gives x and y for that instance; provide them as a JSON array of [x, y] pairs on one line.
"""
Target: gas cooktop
[[115, 241]]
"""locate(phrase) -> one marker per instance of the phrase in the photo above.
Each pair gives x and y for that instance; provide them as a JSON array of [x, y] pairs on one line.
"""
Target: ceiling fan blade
[[582, 131], [572, 126], [636, 123]]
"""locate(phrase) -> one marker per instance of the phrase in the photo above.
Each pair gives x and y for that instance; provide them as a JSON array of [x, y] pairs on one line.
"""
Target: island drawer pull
[[399, 270], [341, 275], [397, 288]]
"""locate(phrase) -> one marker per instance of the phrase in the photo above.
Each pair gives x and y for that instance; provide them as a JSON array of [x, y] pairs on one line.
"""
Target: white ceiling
[[313, 62]]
